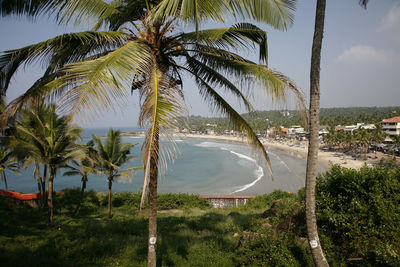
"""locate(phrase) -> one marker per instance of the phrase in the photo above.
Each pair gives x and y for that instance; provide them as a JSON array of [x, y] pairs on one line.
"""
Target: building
[[391, 126]]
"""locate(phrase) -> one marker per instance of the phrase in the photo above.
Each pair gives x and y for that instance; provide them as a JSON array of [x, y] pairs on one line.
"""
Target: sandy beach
[[326, 159]]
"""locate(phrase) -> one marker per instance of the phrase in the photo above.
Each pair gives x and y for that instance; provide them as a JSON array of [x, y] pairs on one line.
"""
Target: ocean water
[[203, 166]]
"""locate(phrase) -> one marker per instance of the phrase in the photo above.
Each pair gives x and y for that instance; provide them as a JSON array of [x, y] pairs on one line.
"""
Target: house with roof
[[391, 126]]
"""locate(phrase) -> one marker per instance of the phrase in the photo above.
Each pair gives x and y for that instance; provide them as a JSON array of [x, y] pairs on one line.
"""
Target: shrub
[[266, 200], [271, 249], [359, 215], [179, 201], [165, 201]]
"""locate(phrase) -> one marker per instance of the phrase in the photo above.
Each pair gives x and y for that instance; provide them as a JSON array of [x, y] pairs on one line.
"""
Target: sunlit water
[[203, 166]]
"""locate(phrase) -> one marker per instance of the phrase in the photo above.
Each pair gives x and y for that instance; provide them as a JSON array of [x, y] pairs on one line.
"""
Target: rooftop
[[394, 119]]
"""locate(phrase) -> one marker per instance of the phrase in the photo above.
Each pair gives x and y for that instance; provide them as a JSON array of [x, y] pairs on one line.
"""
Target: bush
[[164, 201], [359, 215], [266, 200], [179, 201], [271, 249]]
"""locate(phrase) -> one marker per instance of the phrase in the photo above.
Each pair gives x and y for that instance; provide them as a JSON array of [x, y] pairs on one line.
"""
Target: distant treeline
[[262, 120]]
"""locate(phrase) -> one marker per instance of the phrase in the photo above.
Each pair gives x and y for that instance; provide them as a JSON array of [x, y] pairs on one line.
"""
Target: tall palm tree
[[7, 162], [109, 158], [143, 49], [44, 137], [313, 146]]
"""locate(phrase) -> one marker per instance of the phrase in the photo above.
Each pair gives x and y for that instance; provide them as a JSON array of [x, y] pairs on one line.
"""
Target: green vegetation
[[358, 217], [329, 116]]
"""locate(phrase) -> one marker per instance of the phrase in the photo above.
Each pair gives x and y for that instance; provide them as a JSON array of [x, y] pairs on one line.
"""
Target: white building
[[391, 126]]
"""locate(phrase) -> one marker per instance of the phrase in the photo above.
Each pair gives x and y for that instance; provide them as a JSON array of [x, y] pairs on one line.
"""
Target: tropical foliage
[[83, 166], [7, 162], [355, 209], [41, 136], [109, 157]]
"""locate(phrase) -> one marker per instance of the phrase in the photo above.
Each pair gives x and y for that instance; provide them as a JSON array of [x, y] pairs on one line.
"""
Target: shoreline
[[325, 158]]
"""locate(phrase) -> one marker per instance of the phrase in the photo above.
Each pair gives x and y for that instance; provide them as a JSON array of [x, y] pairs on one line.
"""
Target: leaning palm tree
[[44, 137], [142, 50], [109, 157], [7, 162], [313, 146]]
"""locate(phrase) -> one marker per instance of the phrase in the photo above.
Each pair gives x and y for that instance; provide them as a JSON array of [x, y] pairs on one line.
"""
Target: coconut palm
[[83, 166], [143, 49], [7, 162], [109, 158], [44, 137], [313, 145]]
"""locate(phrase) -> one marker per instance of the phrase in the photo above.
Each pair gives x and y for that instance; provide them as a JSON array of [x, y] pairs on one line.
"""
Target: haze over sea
[[204, 167]]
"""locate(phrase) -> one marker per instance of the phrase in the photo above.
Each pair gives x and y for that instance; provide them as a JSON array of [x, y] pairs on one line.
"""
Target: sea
[[206, 167]]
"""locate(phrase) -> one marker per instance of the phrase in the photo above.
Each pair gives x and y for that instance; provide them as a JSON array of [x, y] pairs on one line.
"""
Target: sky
[[359, 66]]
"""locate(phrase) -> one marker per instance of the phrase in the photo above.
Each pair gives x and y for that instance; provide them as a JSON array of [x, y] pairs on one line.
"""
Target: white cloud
[[391, 22], [366, 54]]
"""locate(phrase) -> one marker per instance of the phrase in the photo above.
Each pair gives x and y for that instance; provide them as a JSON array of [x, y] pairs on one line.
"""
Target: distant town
[[347, 129]]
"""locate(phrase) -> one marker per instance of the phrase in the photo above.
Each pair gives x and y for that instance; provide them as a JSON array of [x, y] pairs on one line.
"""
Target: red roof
[[19, 196], [394, 119]]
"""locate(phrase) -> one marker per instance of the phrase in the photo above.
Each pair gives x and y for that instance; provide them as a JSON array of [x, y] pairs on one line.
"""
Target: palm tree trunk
[[84, 180], [5, 180], [152, 256], [109, 196], [45, 180], [313, 146], [39, 183], [50, 196]]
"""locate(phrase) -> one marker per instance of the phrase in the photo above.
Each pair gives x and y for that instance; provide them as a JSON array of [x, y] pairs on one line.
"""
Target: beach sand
[[325, 159]]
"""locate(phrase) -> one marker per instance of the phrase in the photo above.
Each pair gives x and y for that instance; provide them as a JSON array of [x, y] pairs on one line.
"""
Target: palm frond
[[84, 12], [57, 51], [128, 12], [277, 13], [99, 84], [247, 73], [236, 37], [37, 91], [30, 8], [275, 84], [218, 103], [213, 77], [161, 107], [194, 11]]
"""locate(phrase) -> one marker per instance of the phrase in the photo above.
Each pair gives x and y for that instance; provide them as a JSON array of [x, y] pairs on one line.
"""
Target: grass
[[198, 236], [356, 210]]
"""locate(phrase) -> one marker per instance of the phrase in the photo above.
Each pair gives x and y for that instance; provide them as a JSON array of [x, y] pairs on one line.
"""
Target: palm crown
[[142, 50]]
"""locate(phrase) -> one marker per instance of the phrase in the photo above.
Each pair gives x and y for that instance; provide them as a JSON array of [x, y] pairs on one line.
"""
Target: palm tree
[[83, 166], [7, 162], [313, 145], [44, 137], [142, 48], [109, 158]]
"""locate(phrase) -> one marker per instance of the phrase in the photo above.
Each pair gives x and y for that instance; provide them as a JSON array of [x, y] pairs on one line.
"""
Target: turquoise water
[[203, 166]]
